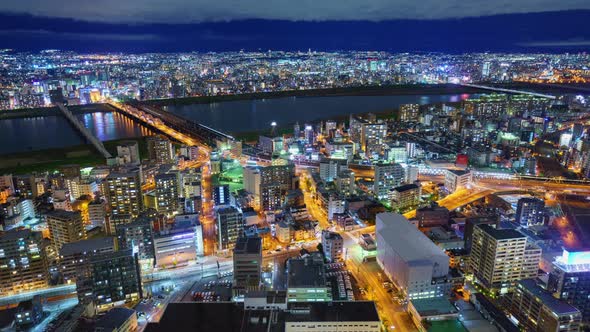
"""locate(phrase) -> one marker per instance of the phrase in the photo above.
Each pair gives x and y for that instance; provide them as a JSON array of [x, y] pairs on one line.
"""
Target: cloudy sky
[[395, 25]]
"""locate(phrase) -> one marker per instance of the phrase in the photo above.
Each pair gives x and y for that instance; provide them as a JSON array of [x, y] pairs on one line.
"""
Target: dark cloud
[[193, 11]]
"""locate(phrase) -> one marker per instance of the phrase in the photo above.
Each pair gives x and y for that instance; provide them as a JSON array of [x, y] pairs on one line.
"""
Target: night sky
[[227, 25]]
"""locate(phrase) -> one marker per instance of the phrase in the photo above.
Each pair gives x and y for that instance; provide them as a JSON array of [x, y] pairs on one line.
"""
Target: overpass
[[52, 291], [491, 88], [84, 131], [188, 132]]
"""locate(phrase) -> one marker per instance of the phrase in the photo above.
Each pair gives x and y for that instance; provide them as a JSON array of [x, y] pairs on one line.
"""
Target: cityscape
[[291, 191]]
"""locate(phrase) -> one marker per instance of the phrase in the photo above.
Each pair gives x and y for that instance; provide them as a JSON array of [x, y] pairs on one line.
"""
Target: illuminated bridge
[[491, 88], [206, 135], [84, 131]]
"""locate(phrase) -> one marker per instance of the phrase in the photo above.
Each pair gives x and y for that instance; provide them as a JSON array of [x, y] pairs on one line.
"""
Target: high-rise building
[[74, 254], [230, 225], [124, 193], [109, 280], [569, 280], [501, 257], [409, 112], [281, 175], [247, 264], [23, 262], [329, 169], [372, 136], [387, 176], [271, 197], [65, 227], [138, 235], [410, 259], [530, 211], [97, 213], [160, 150], [536, 310], [167, 193], [332, 246]]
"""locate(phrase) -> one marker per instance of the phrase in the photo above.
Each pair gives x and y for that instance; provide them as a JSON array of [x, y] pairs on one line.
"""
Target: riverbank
[[388, 90], [50, 159], [51, 111]]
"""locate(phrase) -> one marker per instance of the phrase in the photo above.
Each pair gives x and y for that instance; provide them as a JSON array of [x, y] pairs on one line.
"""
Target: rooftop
[[114, 318], [248, 245], [558, 307], [406, 187], [410, 244], [336, 311], [434, 307], [87, 245], [306, 272], [501, 234]]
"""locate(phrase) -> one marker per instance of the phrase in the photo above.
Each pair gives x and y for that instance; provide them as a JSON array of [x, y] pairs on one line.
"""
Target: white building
[[405, 196], [418, 267], [457, 179], [387, 176]]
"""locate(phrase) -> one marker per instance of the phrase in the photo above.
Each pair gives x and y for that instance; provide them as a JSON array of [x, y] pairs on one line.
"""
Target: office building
[[247, 264], [252, 180], [410, 259], [306, 279], [109, 280], [387, 176], [457, 180], [181, 243], [536, 310], [569, 280], [281, 175], [124, 193], [65, 227], [501, 257], [332, 246], [167, 193], [160, 150], [23, 262], [405, 197], [230, 225], [530, 211], [74, 254]]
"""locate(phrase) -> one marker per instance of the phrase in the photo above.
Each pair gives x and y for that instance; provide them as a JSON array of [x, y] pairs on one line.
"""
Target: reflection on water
[[112, 125], [253, 115], [29, 134]]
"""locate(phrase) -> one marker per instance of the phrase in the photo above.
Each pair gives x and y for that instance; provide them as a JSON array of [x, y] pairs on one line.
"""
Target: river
[[27, 134]]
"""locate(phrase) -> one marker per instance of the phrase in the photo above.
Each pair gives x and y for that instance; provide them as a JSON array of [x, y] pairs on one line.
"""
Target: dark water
[[26, 134], [253, 115], [49, 132]]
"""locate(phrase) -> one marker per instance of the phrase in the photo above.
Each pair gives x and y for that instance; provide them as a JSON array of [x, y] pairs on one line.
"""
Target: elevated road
[[155, 116], [84, 131], [491, 88]]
